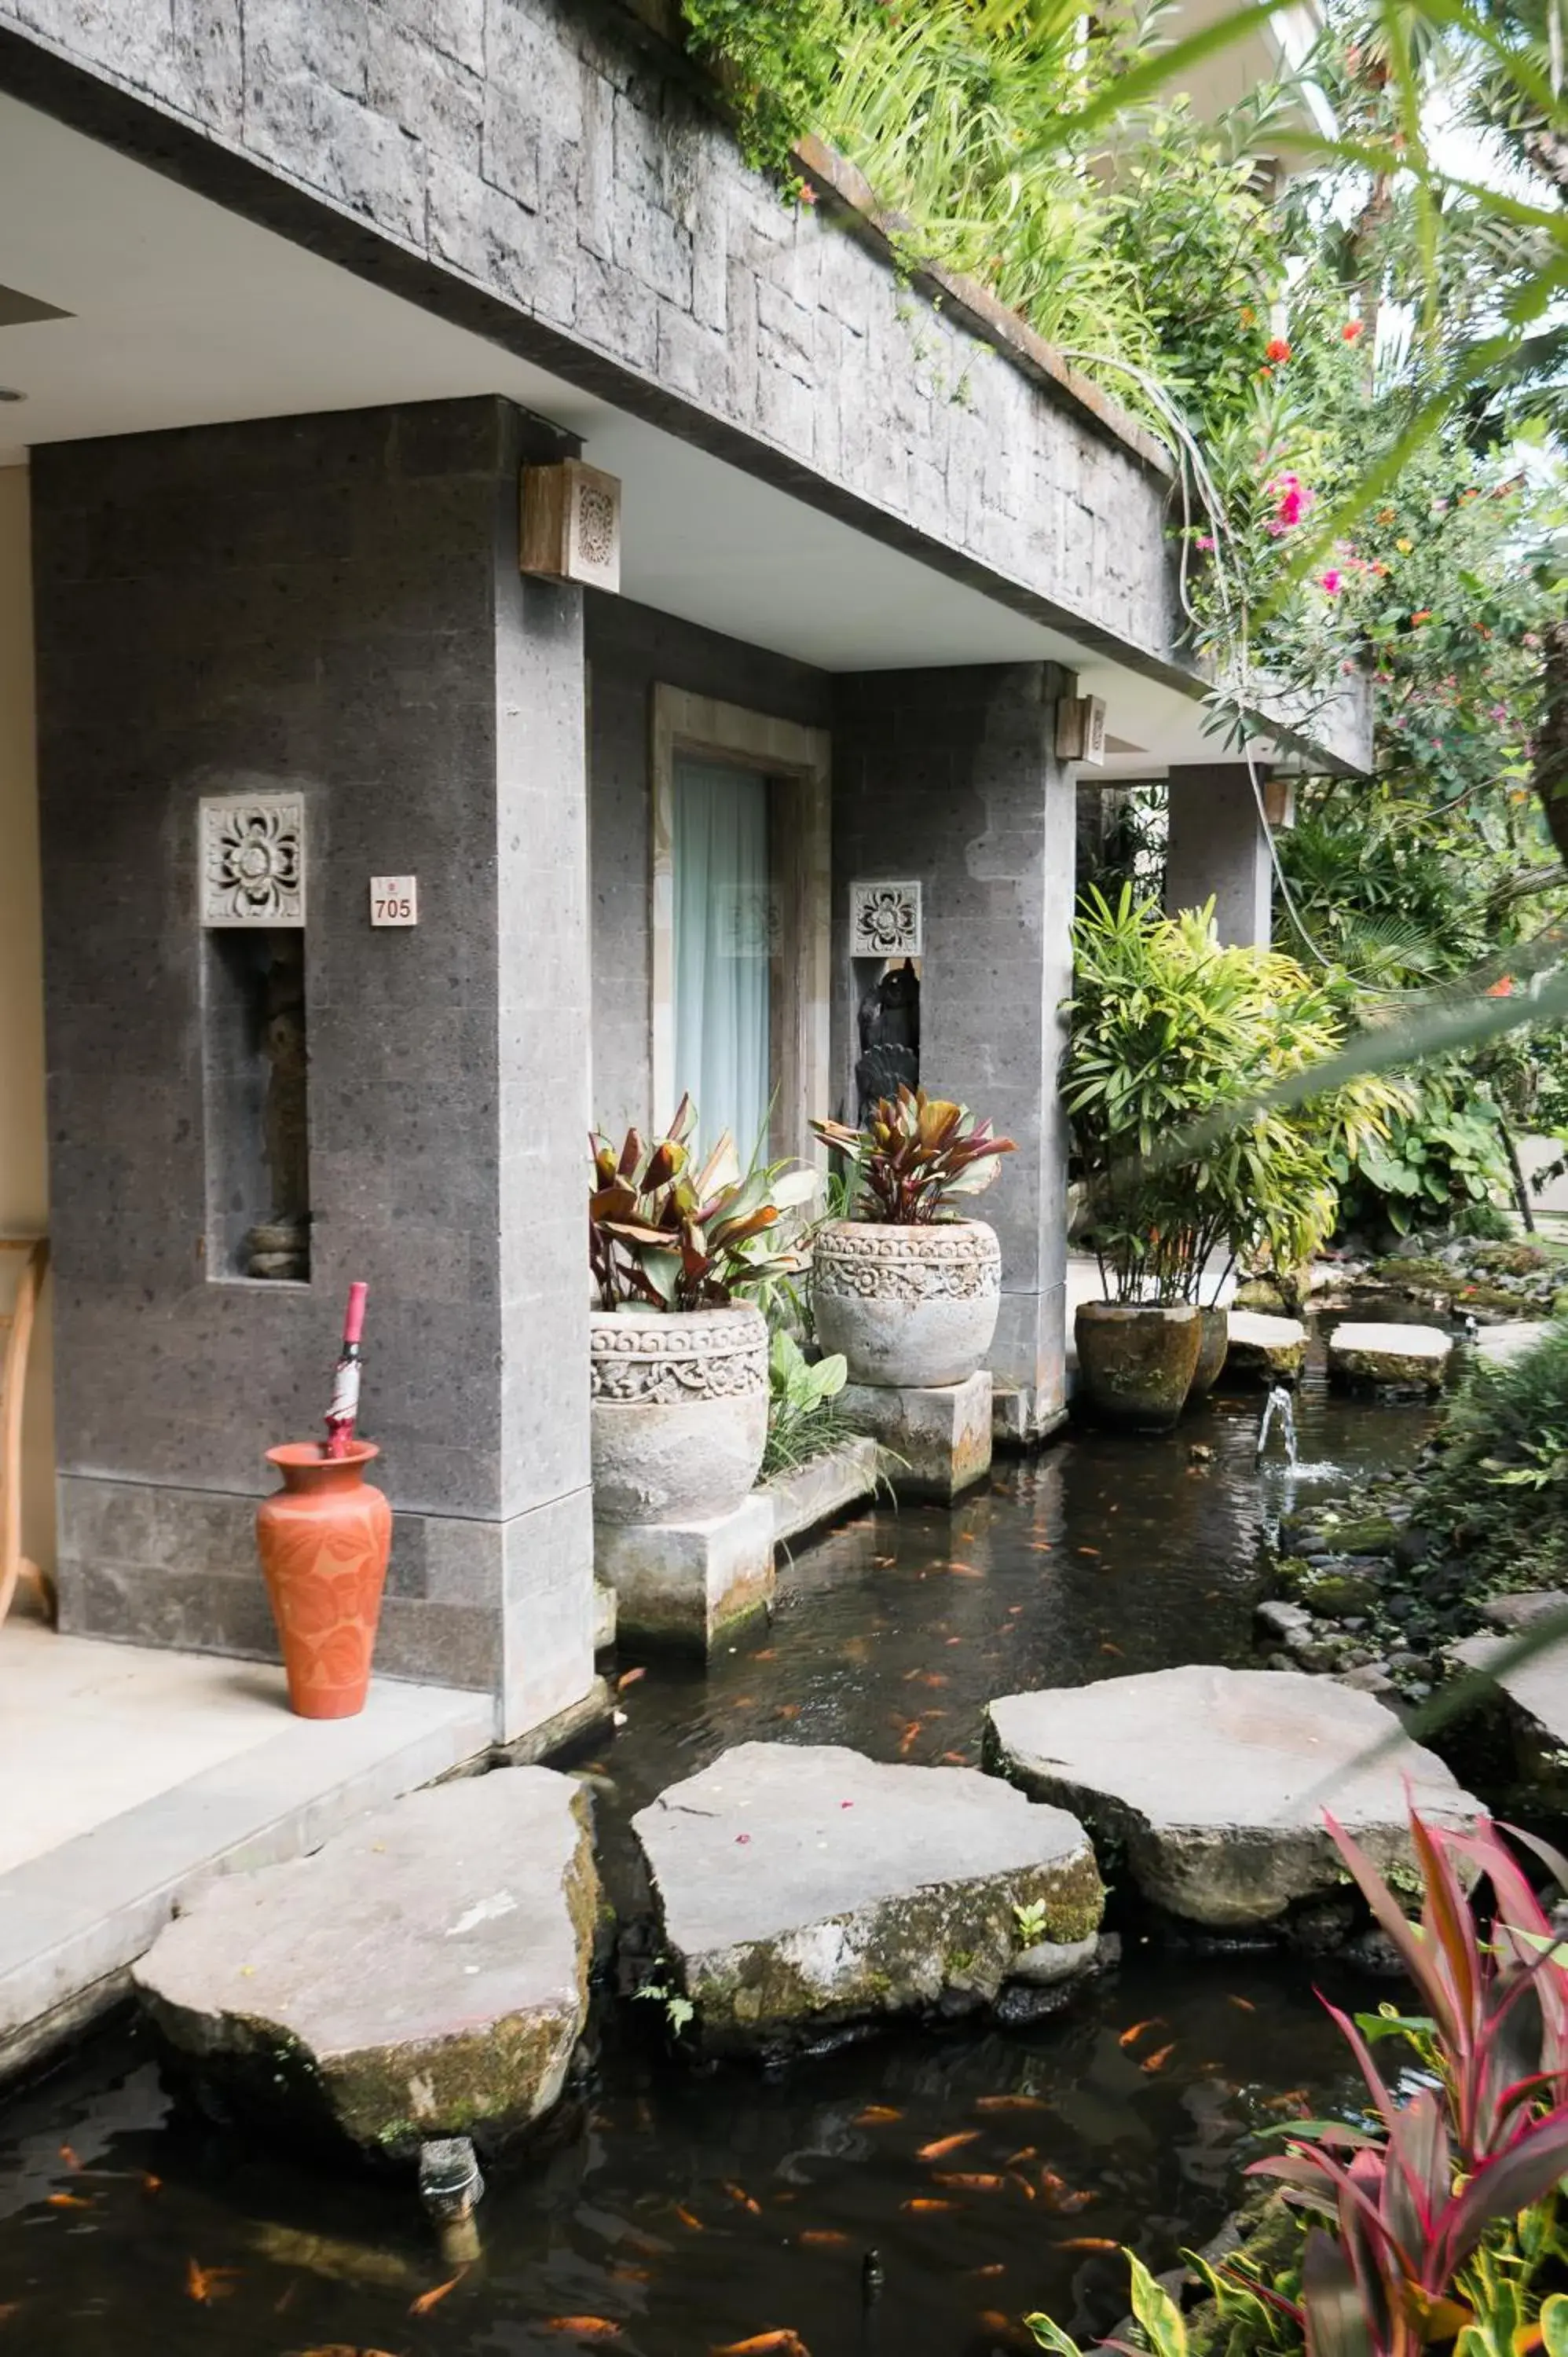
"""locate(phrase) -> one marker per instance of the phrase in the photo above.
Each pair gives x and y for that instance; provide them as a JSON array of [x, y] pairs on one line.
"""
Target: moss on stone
[[890, 1958]]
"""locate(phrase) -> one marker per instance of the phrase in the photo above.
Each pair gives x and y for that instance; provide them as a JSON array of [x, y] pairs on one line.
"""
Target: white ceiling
[[184, 313]]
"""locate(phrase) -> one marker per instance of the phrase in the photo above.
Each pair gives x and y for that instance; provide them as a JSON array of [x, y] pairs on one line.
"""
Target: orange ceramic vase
[[324, 1539]]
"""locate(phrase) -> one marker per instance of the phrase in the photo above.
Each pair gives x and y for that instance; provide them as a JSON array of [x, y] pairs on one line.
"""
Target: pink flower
[[1205, 541], [1331, 582], [1292, 499]]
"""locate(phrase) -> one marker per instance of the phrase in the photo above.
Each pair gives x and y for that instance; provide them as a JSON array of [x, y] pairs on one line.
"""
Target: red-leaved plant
[[1402, 2209], [916, 1157], [1424, 2230]]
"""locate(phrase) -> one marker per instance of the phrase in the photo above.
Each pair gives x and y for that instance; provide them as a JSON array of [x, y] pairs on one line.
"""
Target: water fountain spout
[[451, 2189], [1279, 1408]]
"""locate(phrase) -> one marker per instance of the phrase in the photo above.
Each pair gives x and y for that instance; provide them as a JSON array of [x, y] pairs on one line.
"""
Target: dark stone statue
[[889, 1022]]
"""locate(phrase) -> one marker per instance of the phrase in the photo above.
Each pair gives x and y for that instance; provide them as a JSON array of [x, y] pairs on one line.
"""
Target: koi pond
[[916, 2194]]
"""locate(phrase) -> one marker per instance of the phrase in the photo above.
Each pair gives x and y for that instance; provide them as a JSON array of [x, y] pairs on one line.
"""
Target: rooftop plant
[[917, 1159], [670, 1233]]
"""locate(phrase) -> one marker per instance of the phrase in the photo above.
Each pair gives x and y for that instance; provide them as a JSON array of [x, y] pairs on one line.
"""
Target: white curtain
[[722, 939]]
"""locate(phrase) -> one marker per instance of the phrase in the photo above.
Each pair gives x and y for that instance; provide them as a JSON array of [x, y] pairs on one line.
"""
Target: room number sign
[[395, 899]]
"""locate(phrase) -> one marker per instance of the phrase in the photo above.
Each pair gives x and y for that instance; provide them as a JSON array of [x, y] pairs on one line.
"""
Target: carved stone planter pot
[[678, 1411], [324, 1539], [908, 1307], [1136, 1363]]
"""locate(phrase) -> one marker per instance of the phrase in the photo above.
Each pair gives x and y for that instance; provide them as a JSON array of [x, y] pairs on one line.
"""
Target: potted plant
[[680, 1251], [1169, 1026], [906, 1288]]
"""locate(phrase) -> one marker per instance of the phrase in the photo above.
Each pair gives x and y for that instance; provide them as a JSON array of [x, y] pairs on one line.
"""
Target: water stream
[[690, 2211]]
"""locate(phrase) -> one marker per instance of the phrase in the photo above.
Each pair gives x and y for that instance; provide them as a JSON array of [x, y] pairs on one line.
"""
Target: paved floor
[[127, 1774]]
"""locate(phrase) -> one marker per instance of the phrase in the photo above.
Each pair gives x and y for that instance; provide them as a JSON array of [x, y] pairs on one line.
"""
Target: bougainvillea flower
[[1331, 582]]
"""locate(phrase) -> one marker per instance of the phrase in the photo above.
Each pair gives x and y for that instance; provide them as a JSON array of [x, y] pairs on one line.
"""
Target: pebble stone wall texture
[[329, 604], [540, 170]]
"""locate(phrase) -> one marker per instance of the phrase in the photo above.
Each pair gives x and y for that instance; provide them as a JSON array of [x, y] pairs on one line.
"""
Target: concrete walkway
[[130, 1774]]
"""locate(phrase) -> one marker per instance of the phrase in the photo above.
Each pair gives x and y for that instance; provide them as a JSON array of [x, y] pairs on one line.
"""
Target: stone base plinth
[[936, 1440], [686, 1583]]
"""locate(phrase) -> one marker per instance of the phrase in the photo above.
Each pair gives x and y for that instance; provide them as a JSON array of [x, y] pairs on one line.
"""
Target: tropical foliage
[[802, 1417], [1435, 2216], [673, 1234], [1167, 1027], [1496, 1486], [917, 1159]]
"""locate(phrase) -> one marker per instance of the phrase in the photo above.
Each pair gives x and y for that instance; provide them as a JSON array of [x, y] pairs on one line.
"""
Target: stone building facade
[[870, 543]]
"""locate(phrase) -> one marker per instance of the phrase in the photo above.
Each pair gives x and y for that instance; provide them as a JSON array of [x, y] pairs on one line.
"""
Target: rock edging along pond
[[804, 1890]]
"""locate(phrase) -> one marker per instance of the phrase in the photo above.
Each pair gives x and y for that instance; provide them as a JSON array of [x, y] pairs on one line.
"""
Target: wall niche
[[256, 1057]]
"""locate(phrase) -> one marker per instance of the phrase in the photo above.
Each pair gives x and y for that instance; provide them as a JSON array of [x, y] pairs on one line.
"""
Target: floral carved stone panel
[[885, 919], [253, 860]]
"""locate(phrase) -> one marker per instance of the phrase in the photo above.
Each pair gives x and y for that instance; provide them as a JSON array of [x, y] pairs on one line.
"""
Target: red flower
[[1352, 328], [1502, 988], [1276, 348], [1424, 616]]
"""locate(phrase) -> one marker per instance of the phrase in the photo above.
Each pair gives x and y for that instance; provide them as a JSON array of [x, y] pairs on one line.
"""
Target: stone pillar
[[950, 775], [327, 606], [1218, 850]]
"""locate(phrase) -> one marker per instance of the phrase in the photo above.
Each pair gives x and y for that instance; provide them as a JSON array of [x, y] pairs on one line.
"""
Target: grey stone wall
[[951, 776], [531, 169], [1217, 849], [631, 649], [332, 605]]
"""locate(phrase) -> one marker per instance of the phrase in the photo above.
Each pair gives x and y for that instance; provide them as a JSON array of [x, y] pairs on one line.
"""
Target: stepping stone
[[1272, 1348], [804, 1889], [1535, 1691], [1511, 1613], [1213, 1781], [424, 1976], [1499, 1345], [1390, 1355]]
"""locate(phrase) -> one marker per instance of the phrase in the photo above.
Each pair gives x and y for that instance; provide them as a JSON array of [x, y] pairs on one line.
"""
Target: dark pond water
[[695, 2211]]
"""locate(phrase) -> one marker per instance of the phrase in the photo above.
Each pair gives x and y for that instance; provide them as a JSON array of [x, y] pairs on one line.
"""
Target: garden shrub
[[1498, 1486]]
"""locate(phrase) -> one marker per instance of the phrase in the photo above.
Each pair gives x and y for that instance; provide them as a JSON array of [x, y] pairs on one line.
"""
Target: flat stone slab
[[1500, 1345], [1536, 1690], [1272, 1348], [1214, 1781], [804, 1888], [426, 1975], [1517, 1611], [1368, 1353]]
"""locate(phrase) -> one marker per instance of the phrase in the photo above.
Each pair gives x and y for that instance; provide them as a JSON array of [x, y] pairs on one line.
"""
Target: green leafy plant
[[675, 1234], [1441, 1149], [1433, 2219], [1031, 1923], [1168, 1027], [801, 1417], [917, 1159], [678, 2010], [1496, 1486]]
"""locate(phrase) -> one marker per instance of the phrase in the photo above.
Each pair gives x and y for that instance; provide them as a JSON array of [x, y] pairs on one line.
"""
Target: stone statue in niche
[[280, 1245], [889, 1019]]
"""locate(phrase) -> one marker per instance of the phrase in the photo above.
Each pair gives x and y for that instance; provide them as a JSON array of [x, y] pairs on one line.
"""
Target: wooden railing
[[16, 1326]]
